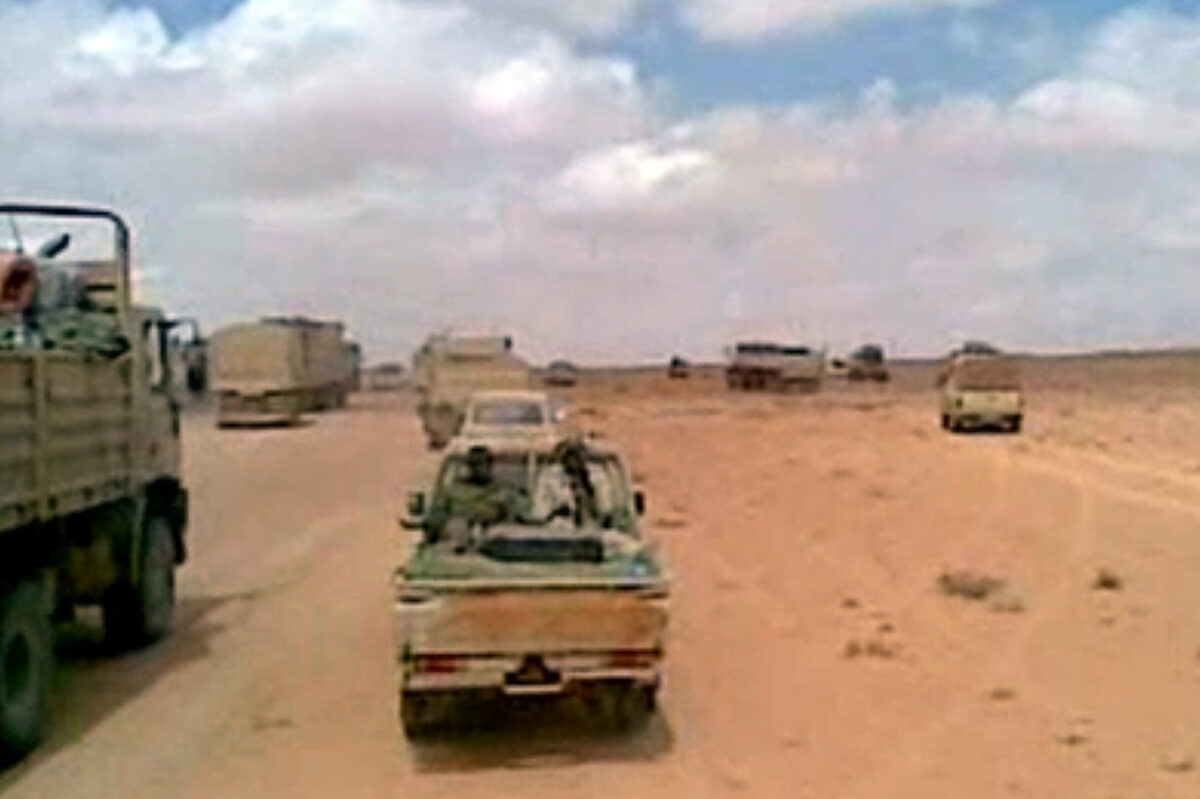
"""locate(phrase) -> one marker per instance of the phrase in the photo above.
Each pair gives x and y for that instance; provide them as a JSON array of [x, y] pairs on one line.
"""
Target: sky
[[623, 180]]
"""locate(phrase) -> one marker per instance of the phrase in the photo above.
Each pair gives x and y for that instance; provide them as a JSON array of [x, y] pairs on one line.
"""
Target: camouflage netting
[[65, 329]]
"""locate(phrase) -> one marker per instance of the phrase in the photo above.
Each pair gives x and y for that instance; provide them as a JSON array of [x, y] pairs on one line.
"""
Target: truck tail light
[[436, 664], [633, 658]]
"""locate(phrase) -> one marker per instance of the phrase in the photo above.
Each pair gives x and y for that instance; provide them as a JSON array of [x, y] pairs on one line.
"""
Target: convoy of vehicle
[[537, 605], [93, 508], [556, 592]]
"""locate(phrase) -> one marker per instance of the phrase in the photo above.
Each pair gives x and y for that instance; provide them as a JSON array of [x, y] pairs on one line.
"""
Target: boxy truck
[[93, 509], [449, 370], [767, 366], [276, 369]]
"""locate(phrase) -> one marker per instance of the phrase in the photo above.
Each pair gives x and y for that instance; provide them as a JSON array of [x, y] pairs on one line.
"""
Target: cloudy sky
[[627, 179]]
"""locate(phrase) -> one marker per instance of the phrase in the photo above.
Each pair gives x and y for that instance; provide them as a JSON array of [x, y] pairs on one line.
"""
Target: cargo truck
[[766, 366], [276, 369], [449, 370], [93, 509]]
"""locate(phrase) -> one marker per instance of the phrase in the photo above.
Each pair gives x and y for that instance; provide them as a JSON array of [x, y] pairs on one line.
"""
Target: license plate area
[[532, 676]]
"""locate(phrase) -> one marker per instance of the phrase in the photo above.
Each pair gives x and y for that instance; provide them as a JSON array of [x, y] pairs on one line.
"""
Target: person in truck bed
[[477, 498]]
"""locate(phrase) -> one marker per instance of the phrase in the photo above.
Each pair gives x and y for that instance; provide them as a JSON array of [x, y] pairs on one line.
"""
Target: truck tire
[[624, 706], [1014, 424], [135, 615], [418, 715], [26, 657]]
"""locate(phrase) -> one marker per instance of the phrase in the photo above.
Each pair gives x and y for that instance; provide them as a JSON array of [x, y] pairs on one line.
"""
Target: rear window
[[508, 412]]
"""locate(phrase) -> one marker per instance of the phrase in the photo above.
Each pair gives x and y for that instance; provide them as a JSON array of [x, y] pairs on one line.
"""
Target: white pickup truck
[[532, 608]]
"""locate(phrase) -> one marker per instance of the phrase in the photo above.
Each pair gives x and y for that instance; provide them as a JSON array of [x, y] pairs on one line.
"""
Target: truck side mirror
[[639, 502]]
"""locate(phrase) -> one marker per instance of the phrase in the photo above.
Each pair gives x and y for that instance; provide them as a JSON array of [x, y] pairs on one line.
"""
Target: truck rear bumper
[[507, 675]]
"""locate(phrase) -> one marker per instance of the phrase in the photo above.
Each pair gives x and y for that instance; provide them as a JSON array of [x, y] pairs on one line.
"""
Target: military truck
[[278, 368], [981, 390], [546, 604], [93, 510], [449, 369], [768, 366]]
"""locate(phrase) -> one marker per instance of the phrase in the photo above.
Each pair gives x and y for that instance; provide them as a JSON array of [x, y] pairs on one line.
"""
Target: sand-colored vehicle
[[512, 416], [276, 369], [767, 366], [678, 368], [561, 374], [385, 377], [530, 607], [93, 509], [867, 363], [449, 370], [980, 391]]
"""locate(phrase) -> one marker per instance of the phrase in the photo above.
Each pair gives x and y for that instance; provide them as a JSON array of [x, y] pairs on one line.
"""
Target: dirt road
[[811, 655]]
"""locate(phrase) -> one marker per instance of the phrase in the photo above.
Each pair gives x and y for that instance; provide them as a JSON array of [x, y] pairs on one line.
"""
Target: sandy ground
[[812, 653]]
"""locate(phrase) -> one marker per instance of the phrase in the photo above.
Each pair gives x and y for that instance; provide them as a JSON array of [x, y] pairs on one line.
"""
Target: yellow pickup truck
[[981, 391]]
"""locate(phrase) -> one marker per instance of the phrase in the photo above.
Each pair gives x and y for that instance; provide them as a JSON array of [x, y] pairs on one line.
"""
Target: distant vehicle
[[188, 350], [518, 608], [385, 377], [867, 363], [982, 391], [766, 366], [448, 369], [529, 415], [352, 366], [561, 374], [976, 348], [93, 508], [678, 369], [276, 369]]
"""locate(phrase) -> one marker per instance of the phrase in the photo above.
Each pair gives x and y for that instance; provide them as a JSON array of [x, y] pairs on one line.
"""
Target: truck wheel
[[945, 421], [417, 715], [26, 655], [135, 615], [1014, 424], [624, 706]]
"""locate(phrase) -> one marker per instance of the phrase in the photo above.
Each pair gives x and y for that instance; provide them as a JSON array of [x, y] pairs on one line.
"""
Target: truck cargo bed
[[66, 434]]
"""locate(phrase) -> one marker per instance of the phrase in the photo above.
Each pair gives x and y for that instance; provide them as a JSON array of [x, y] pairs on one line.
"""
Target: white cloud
[[409, 165], [590, 17], [749, 20]]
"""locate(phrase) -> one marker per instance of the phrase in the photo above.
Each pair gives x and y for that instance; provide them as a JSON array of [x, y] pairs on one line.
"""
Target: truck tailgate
[[539, 620]]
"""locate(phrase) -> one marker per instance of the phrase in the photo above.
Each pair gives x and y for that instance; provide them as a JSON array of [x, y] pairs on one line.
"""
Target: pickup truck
[[532, 608], [981, 391]]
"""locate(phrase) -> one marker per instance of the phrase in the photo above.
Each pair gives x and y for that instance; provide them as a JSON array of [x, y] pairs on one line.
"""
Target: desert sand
[[820, 643]]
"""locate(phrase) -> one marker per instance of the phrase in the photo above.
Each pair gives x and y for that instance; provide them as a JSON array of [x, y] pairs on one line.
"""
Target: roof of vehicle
[[539, 445], [509, 395]]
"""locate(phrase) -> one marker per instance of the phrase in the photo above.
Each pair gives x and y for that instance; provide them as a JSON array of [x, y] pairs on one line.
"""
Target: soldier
[[476, 500], [568, 487]]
